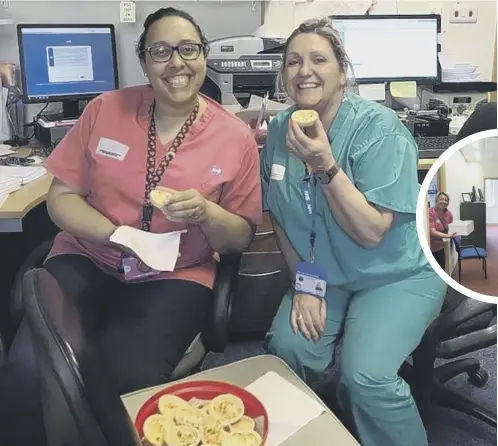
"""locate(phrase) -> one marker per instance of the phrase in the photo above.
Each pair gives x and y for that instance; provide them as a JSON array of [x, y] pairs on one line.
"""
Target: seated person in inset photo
[[126, 144], [440, 218]]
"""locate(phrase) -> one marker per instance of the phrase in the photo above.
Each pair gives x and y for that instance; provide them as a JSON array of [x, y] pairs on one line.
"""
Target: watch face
[[322, 177]]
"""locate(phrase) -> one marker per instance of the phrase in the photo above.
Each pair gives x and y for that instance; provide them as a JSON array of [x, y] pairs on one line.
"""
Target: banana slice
[[154, 427], [158, 197], [304, 118], [227, 406], [245, 424], [167, 403], [214, 430], [243, 439], [182, 436]]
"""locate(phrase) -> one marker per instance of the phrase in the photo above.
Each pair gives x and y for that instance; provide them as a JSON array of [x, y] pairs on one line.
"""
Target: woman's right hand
[[453, 235], [308, 315]]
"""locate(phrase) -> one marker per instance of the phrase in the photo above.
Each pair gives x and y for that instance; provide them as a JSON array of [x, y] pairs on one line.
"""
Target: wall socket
[[463, 13], [5, 4]]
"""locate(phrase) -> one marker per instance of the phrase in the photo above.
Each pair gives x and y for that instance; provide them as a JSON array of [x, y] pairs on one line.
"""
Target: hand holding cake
[[312, 147]]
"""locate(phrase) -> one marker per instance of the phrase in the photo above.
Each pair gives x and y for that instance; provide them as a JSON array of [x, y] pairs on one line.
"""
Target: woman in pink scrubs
[[125, 144], [440, 218]]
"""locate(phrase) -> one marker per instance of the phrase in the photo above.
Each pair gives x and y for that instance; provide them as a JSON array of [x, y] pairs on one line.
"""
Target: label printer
[[241, 66]]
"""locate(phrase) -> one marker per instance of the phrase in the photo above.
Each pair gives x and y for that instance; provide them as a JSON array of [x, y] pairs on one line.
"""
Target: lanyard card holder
[[311, 279]]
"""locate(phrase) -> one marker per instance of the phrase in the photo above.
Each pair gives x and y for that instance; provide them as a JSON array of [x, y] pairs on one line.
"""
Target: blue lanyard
[[308, 186]]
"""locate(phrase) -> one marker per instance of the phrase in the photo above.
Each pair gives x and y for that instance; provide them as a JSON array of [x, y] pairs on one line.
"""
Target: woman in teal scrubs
[[343, 197]]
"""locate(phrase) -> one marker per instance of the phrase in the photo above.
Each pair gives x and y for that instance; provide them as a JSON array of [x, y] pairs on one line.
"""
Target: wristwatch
[[326, 176]]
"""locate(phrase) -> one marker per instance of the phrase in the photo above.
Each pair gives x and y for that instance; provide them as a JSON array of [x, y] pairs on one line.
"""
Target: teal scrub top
[[380, 157]]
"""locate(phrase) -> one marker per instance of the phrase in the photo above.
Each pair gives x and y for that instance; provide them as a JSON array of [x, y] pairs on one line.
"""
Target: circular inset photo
[[457, 215]]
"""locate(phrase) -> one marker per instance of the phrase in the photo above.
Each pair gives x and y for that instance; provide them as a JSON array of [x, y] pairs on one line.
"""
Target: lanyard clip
[[148, 209]]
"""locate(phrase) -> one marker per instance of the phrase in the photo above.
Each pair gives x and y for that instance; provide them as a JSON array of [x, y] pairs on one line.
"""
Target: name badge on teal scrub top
[[311, 279]]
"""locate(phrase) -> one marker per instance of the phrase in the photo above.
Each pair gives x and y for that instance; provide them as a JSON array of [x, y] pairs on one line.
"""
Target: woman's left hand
[[187, 206], [314, 149]]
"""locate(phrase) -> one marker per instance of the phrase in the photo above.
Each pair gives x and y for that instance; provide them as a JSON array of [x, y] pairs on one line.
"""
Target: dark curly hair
[[168, 12]]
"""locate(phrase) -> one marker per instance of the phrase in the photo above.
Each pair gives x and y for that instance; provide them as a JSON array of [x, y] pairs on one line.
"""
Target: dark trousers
[[440, 258], [141, 329]]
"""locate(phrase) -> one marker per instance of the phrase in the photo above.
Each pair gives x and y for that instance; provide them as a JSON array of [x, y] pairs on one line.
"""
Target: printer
[[241, 66]]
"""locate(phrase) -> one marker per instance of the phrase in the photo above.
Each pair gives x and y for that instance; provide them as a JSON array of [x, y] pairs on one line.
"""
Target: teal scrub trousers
[[380, 328]]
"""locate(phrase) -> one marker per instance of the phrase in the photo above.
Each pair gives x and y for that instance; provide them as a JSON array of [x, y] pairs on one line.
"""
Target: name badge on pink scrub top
[[134, 268]]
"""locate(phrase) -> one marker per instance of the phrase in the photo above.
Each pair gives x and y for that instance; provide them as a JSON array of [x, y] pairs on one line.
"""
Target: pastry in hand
[[158, 198], [305, 118]]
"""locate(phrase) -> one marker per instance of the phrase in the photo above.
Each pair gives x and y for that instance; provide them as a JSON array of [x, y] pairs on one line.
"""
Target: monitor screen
[[384, 48], [67, 61]]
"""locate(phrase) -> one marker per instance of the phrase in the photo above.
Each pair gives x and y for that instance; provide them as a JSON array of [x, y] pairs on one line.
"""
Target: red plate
[[204, 390]]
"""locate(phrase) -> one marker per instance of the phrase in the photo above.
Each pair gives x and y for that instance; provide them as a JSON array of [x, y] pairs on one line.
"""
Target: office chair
[[79, 406], [469, 251], [213, 339], [464, 326]]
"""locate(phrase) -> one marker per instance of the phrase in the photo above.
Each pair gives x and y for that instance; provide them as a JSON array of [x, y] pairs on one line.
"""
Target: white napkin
[[158, 251], [288, 408]]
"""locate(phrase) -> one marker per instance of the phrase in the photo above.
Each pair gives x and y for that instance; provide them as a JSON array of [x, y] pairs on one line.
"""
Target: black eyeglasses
[[163, 53]]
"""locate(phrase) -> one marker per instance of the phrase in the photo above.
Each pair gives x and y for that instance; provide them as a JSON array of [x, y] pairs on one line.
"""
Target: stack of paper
[[5, 149], [288, 408], [453, 72], [24, 174], [13, 177]]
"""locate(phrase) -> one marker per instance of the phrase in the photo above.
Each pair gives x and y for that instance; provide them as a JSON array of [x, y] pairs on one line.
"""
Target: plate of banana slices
[[202, 413]]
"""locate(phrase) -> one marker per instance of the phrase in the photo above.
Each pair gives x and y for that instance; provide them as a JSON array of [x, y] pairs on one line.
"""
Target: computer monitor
[[385, 48], [67, 63]]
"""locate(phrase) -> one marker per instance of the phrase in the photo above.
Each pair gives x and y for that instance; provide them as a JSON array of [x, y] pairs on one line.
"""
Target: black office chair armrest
[[467, 343], [34, 260], [446, 324], [215, 337], [2, 350]]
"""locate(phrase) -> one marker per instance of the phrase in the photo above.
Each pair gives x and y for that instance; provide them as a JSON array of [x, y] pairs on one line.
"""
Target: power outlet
[[463, 13], [5, 4]]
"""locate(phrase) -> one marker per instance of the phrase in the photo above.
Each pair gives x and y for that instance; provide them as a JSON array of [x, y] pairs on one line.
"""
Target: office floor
[[444, 426], [472, 273]]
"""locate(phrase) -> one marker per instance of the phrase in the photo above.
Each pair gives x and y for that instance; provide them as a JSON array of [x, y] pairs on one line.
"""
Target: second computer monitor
[[67, 63], [385, 48]]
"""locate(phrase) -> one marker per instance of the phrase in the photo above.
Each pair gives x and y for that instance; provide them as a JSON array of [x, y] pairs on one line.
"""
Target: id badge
[[311, 279], [134, 269]]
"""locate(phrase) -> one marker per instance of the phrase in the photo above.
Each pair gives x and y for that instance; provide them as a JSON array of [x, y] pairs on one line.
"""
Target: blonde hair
[[323, 27]]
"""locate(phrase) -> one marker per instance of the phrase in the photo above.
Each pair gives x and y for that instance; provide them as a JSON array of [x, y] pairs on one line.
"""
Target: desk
[[322, 431], [21, 202]]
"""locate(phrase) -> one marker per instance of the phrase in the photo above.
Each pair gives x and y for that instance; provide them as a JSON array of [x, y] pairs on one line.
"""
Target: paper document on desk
[[158, 251], [24, 174], [289, 408], [5, 149], [3, 198], [9, 185]]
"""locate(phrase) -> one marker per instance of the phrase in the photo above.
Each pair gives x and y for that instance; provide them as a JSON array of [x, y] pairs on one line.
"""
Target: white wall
[[460, 177], [217, 19], [467, 43]]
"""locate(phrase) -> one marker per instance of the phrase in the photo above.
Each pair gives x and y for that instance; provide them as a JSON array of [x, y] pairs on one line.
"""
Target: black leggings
[[142, 331], [440, 258]]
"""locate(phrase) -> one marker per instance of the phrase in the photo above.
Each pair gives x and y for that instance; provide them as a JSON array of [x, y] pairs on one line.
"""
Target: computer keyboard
[[434, 146]]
